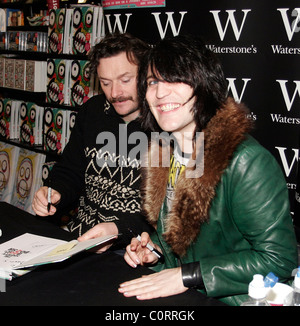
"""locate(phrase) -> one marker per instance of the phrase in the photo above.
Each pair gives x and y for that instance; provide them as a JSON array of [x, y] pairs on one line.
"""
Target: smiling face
[[171, 105], [25, 178], [118, 79]]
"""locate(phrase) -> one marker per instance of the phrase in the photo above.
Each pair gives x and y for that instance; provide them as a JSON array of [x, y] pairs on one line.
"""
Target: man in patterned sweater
[[95, 166]]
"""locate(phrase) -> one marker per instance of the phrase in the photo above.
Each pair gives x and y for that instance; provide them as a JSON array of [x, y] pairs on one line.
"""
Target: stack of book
[[27, 75], [24, 41], [75, 30], [31, 124], [58, 124], [35, 125], [69, 82]]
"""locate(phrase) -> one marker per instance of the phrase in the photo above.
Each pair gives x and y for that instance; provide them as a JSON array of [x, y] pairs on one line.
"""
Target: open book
[[19, 255]]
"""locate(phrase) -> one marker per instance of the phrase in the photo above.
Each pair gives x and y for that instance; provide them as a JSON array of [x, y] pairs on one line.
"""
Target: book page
[[29, 250], [23, 248], [65, 251]]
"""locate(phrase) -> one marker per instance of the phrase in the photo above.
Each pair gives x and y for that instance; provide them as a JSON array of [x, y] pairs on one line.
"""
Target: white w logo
[[290, 29], [170, 21], [289, 102], [117, 23], [231, 19], [232, 88], [288, 167]]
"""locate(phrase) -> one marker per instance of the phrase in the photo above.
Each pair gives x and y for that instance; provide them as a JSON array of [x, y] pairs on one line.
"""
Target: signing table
[[85, 279]]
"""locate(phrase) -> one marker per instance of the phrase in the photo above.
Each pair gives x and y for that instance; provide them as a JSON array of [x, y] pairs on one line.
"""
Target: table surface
[[86, 279]]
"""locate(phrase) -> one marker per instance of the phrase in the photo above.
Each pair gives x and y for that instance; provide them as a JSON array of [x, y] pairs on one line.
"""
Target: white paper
[[20, 249], [29, 250], [24, 248]]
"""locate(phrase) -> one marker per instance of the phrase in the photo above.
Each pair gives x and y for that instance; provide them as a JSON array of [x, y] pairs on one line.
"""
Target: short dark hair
[[185, 59], [114, 44]]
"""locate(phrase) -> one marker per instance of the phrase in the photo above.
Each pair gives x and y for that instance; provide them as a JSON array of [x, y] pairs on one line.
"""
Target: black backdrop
[[258, 42]]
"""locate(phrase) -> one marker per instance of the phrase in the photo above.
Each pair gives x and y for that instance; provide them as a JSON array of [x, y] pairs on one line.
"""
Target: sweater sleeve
[[67, 176]]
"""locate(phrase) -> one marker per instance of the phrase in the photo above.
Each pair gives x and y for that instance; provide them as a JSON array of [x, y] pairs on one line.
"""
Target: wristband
[[191, 275]]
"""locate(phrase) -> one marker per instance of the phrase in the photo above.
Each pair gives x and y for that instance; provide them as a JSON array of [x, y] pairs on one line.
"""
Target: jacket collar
[[193, 197]]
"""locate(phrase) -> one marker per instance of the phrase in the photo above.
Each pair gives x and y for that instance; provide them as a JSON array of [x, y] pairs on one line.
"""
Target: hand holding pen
[[45, 200], [140, 251], [53, 197]]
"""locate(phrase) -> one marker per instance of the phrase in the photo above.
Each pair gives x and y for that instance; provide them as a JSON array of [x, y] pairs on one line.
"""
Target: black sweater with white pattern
[[101, 176]]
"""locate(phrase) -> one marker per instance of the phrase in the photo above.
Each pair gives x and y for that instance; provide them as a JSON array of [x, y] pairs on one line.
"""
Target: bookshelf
[[29, 8], [52, 96]]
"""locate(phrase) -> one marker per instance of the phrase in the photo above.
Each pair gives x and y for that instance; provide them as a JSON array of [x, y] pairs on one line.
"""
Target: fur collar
[[193, 197]]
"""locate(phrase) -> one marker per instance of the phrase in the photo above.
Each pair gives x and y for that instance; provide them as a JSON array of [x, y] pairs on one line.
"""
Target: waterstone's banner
[[258, 42]]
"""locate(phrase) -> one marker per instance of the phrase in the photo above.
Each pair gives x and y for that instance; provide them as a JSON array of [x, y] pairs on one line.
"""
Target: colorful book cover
[[8, 158], [32, 40], [12, 17], [5, 118], [28, 179], [13, 40], [81, 83], [54, 130], [30, 125], [58, 71], [56, 30], [84, 28]]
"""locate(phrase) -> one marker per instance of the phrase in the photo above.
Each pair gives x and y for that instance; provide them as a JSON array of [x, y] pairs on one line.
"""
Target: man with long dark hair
[[217, 228]]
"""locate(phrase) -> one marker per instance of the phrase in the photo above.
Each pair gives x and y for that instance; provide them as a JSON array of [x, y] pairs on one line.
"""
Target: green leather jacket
[[250, 230]]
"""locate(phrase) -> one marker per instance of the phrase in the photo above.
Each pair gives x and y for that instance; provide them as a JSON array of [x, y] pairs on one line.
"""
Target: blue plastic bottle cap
[[270, 280]]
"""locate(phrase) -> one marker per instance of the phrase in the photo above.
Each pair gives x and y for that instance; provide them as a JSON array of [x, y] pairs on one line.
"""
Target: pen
[[49, 198], [159, 255]]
